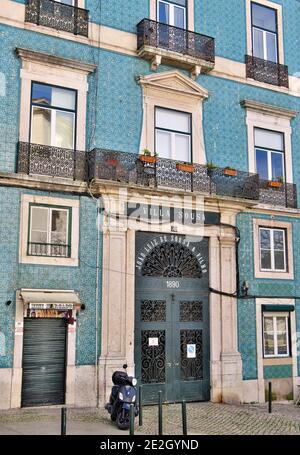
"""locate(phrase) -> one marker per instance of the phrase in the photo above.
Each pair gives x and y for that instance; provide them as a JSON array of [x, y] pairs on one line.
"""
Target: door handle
[[176, 364], [169, 364]]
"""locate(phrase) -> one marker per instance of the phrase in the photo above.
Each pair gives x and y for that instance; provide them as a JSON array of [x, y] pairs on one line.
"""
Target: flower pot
[[112, 162], [148, 159], [274, 184], [185, 167], [231, 172]]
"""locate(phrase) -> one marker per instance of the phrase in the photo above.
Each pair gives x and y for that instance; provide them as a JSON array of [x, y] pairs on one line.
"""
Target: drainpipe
[[97, 299]]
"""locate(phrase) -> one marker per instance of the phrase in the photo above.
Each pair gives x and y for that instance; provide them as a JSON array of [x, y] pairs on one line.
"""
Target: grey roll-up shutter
[[44, 362]]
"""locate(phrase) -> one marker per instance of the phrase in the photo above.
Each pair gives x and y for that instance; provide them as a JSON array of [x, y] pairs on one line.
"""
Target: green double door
[[172, 330]]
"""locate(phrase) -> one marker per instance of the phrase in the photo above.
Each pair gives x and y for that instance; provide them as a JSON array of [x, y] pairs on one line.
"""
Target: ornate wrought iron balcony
[[162, 43], [57, 15], [265, 71], [52, 161], [285, 194], [130, 168]]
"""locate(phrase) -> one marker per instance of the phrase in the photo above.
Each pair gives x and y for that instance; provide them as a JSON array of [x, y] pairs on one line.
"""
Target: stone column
[[231, 363], [117, 329]]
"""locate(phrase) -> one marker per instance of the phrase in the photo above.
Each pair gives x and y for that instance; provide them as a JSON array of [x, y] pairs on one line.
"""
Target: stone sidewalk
[[203, 419]]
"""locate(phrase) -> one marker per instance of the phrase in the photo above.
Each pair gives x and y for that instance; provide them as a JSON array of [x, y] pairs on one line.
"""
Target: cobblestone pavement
[[203, 419]]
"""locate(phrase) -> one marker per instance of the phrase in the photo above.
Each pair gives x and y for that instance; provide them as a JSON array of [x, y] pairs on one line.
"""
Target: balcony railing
[[284, 195], [265, 71], [49, 250], [157, 35], [52, 161], [128, 168], [59, 16]]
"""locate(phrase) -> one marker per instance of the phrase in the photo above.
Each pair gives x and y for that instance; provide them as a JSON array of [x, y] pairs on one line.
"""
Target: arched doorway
[[172, 317]]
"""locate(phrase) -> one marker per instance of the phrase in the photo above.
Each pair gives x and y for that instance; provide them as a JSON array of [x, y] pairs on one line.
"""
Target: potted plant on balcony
[[185, 167], [276, 183], [230, 171], [210, 166], [146, 157]]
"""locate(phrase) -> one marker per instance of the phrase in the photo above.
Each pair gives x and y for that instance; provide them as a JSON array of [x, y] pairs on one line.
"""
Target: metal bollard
[[160, 416], [63, 430], [184, 419], [131, 420], [270, 397], [140, 406]]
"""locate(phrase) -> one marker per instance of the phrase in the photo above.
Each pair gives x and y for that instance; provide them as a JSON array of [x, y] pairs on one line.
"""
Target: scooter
[[123, 394]]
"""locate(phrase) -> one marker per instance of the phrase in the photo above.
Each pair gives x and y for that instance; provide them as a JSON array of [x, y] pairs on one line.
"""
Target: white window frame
[[270, 274], [173, 135], [269, 158], [278, 8], [265, 47], [275, 334], [73, 204], [49, 210], [272, 250], [53, 112], [171, 12]]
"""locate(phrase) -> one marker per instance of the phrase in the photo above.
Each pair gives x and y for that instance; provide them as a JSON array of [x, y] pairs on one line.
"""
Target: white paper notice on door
[[153, 341], [191, 351]]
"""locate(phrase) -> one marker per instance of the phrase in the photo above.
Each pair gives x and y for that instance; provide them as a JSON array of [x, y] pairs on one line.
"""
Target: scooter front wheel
[[123, 419]]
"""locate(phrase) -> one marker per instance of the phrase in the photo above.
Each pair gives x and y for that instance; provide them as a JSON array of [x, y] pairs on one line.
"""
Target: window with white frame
[[49, 231], [53, 116], [172, 12], [276, 335], [173, 134], [272, 249], [269, 154], [264, 32]]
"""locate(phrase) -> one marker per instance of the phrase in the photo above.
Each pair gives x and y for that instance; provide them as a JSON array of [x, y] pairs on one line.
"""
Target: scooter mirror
[[125, 366]]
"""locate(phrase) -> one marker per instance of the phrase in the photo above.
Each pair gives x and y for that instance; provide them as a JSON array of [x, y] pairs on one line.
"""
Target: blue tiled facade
[[114, 121]]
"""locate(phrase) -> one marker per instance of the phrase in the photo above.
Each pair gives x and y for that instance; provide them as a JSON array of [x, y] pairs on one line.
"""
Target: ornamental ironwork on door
[[172, 260], [172, 318]]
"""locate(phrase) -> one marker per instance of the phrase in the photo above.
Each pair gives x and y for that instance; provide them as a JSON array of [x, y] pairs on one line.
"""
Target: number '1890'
[[173, 284]]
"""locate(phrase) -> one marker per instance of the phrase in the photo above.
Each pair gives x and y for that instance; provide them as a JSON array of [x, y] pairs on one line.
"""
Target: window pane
[[268, 139], [282, 344], [164, 15], [179, 17], [63, 98], [59, 227], [163, 144], [277, 165], [268, 324], [264, 17], [281, 324], [279, 260], [271, 47], [64, 129], [41, 94], [265, 239], [278, 240], [173, 120], [182, 148], [39, 224], [265, 259], [180, 2], [41, 126], [258, 43], [269, 344], [262, 164]]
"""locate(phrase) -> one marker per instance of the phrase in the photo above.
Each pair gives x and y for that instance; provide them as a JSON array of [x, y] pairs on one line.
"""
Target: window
[[49, 231], [173, 134], [264, 32], [172, 13], [53, 116], [269, 154], [272, 249], [276, 335]]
